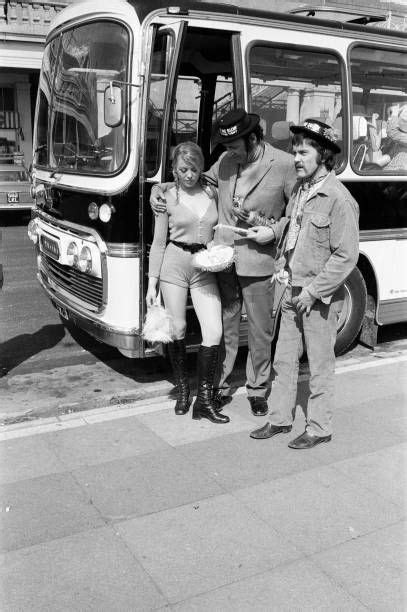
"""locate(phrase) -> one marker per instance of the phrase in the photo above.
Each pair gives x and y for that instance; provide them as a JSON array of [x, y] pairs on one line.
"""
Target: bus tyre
[[353, 311]]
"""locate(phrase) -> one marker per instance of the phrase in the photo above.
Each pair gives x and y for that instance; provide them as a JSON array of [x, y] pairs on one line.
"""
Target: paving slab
[[388, 412], [296, 587], [236, 460], [28, 457], [198, 547], [92, 571], [354, 436], [383, 472], [178, 430], [379, 383], [319, 508], [104, 442], [43, 509], [372, 568], [145, 484]]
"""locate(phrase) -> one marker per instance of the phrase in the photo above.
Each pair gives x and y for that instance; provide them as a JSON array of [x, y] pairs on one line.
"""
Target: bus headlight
[[72, 254], [32, 230], [105, 212], [85, 260], [93, 211]]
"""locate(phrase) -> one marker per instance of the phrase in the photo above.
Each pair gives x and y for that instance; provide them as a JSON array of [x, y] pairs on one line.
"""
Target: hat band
[[319, 130], [230, 131]]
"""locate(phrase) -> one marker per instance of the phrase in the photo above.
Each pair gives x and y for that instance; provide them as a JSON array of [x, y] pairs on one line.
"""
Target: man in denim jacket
[[319, 246]]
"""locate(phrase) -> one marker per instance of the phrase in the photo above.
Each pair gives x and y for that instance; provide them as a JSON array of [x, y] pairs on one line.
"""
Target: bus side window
[[378, 97], [288, 85]]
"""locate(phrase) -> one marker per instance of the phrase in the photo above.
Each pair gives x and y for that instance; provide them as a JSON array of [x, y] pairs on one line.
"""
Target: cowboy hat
[[235, 124], [321, 132]]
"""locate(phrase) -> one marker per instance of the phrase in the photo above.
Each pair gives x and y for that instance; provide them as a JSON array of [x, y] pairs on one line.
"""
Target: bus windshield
[[78, 67]]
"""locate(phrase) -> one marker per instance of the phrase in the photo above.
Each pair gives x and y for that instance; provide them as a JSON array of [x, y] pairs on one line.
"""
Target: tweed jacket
[[267, 193]]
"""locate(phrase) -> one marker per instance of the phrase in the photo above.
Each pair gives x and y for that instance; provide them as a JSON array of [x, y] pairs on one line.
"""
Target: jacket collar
[[325, 188], [262, 167]]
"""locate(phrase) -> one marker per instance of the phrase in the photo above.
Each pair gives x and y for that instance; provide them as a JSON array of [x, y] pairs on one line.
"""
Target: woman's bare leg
[[207, 305], [175, 300]]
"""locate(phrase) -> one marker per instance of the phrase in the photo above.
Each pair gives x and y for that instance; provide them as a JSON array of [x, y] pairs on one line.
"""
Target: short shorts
[[177, 269]]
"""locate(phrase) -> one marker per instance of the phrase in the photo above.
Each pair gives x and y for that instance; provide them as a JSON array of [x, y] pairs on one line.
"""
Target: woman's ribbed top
[[184, 225]]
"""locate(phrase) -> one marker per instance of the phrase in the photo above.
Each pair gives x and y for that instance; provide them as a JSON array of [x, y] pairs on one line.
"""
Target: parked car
[[14, 187]]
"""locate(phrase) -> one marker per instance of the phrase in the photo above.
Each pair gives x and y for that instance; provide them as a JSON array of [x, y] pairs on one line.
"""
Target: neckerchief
[[304, 193]]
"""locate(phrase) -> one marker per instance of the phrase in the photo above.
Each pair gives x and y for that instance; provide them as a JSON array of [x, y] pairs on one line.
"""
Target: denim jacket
[[327, 247]]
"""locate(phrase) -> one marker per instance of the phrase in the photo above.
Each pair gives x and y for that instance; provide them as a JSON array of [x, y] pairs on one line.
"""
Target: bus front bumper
[[127, 340]]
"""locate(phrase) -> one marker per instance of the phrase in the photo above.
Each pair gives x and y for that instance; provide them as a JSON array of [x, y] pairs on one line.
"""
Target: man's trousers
[[316, 333], [257, 295]]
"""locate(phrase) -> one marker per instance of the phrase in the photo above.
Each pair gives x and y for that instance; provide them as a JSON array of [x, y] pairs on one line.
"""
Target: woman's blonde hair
[[190, 152]]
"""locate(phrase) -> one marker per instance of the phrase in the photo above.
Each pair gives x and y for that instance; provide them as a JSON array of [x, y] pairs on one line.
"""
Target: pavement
[[40, 380], [131, 508]]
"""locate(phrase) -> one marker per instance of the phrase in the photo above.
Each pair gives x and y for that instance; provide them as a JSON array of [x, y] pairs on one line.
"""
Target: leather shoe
[[259, 406], [306, 440], [268, 431]]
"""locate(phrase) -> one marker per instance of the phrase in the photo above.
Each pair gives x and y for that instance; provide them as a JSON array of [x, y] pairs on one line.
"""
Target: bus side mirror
[[113, 106]]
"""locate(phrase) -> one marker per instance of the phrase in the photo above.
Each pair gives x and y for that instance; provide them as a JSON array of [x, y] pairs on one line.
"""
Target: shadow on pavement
[[15, 351], [139, 370]]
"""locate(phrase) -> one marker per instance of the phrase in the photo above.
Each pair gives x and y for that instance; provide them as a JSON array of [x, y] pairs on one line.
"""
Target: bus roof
[[145, 7], [340, 13]]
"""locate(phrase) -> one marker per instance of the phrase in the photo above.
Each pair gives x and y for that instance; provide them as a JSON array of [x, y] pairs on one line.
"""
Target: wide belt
[[193, 247]]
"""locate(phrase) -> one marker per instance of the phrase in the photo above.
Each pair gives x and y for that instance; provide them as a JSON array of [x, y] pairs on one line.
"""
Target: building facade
[[23, 28]]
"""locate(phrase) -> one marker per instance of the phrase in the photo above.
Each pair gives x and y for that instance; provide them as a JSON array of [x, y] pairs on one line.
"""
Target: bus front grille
[[82, 286]]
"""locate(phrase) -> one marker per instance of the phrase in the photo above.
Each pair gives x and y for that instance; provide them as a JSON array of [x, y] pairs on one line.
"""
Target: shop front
[[23, 28]]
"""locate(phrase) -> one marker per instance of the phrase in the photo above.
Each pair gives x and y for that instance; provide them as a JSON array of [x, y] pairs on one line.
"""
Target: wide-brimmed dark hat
[[321, 132], [235, 124]]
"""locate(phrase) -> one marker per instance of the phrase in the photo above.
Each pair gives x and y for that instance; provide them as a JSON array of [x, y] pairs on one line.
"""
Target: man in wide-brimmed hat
[[318, 246], [251, 177]]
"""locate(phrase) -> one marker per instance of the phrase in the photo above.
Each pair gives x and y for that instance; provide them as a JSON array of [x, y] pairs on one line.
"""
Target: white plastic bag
[[158, 325]]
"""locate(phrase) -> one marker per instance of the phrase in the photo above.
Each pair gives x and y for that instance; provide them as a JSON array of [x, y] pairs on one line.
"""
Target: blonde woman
[[190, 218]]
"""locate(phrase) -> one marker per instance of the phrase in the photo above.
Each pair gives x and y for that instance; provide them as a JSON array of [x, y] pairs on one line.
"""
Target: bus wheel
[[353, 311]]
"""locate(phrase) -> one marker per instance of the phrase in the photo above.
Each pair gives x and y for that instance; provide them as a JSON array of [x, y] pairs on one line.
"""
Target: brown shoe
[[268, 431], [307, 440], [258, 405]]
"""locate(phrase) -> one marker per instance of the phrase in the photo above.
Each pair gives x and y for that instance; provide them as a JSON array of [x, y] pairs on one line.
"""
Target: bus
[[122, 83]]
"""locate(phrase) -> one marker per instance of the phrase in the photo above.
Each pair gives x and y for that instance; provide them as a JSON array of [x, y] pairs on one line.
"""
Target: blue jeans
[[316, 333]]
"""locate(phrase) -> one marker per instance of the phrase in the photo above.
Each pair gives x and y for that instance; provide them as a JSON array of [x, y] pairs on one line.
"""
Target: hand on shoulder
[[158, 202]]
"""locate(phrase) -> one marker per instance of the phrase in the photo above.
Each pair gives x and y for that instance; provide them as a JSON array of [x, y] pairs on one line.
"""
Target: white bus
[[123, 82]]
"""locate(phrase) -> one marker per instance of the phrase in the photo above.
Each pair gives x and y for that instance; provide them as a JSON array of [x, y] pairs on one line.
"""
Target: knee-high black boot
[[203, 407], [178, 357]]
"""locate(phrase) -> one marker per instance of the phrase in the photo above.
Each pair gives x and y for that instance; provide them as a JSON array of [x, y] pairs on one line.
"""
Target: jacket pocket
[[319, 225]]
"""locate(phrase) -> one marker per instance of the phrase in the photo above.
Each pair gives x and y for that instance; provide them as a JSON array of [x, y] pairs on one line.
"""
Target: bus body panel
[[386, 257]]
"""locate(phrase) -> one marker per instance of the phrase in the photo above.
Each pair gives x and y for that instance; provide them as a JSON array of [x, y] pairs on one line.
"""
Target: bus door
[[185, 98], [165, 45]]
